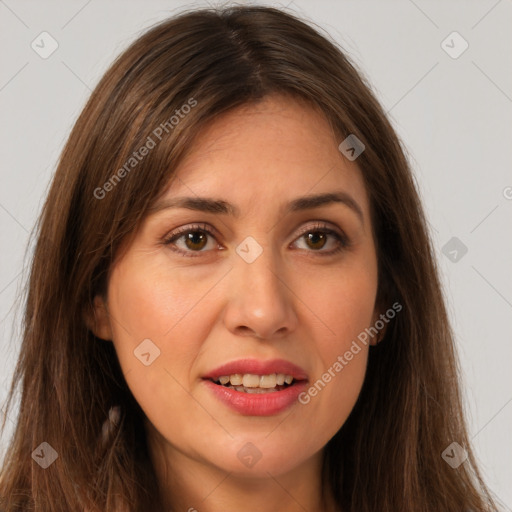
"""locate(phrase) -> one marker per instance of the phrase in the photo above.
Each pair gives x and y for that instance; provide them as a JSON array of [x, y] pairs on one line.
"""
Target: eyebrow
[[219, 206]]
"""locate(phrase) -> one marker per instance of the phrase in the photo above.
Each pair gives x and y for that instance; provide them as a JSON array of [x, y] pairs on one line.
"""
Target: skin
[[294, 302]]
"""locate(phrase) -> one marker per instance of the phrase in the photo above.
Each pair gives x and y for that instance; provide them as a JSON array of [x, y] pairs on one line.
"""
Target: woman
[[233, 300]]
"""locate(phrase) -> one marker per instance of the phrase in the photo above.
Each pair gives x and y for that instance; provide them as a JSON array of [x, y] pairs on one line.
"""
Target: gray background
[[453, 114]]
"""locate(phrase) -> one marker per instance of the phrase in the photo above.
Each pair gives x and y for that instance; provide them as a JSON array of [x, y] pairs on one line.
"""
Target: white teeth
[[251, 381], [258, 390], [268, 381], [255, 390], [255, 382], [236, 380]]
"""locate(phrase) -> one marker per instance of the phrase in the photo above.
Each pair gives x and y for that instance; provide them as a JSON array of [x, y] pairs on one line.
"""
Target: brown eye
[[195, 240], [323, 240], [191, 240], [316, 240]]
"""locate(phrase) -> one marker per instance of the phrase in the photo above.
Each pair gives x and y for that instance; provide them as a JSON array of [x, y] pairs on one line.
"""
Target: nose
[[261, 303]]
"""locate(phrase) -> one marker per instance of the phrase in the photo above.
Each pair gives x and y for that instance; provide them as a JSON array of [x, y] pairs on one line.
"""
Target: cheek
[[164, 307], [342, 305], [155, 302], [156, 313], [342, 302]]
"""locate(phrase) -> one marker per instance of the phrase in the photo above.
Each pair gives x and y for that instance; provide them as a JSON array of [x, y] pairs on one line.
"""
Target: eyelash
[[342, 241]]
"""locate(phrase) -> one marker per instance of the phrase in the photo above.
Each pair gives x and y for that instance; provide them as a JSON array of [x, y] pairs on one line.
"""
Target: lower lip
[[257, 404]]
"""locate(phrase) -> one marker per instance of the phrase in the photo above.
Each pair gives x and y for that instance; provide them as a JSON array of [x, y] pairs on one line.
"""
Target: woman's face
[[266, 282]]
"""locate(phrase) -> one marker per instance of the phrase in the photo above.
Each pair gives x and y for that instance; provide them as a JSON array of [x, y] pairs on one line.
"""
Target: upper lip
[[258, 367]]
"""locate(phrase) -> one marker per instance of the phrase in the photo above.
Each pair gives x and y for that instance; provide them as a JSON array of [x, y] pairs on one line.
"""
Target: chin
[[257, 457]]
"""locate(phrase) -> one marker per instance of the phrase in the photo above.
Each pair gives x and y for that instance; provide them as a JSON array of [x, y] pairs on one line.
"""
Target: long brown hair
[[388, 454]]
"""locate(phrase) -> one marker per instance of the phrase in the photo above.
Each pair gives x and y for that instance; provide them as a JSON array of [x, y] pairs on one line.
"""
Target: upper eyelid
[[321, 224], [318, 224]]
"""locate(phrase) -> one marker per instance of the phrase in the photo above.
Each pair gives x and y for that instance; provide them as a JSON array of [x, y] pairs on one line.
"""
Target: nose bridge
[[260, 303]]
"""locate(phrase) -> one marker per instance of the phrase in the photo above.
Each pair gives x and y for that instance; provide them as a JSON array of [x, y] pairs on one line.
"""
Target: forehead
[[266, 154]]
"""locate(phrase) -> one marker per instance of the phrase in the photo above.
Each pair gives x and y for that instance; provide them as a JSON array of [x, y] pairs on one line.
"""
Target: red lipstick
[[266, 403]]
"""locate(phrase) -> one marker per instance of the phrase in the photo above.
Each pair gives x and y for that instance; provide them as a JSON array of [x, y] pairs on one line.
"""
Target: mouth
[[252, 383], [257, 388]]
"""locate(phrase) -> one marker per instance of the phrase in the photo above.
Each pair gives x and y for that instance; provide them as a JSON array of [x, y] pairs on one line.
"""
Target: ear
[[97, 319], [376, 323]]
